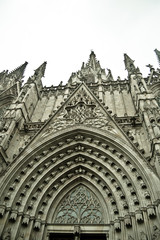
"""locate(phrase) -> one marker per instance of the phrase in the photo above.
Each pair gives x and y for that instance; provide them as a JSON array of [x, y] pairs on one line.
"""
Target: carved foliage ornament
[[80, 206]]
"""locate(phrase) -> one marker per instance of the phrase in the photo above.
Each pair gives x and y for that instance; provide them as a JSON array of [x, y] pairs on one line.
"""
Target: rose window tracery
[[80, 206]]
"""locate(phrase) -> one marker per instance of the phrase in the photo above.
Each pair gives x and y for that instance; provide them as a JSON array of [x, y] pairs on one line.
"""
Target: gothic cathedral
[[80, 161]]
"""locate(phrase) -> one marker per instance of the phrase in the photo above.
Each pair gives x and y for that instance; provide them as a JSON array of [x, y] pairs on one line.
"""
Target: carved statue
[[135, 88], [143, 236], [1, 125], [7, 234], [10, 80], [141, 87], [156, 129], [130, 237], [156, 233], [21, 237], [1, 168], [1, 137]]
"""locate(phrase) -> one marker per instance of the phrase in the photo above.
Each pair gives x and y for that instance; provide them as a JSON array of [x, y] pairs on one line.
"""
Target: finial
[[92, 62], [40, 70], [92, 53], [129, 64], [158, 55], [82, 65]]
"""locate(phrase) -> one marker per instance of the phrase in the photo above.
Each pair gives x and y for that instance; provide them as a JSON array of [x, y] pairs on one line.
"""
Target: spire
[[92, 62], [158, 55], [129, 64], [40, 70], [18, 72]]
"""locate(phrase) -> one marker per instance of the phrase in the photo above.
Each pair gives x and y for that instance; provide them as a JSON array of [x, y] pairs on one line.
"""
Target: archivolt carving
[[80, 206], [64, 161], [49, 162], [64, 179], [7, 234]]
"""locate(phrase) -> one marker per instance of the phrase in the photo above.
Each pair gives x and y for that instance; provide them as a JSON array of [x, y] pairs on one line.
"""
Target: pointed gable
[[82, 109]]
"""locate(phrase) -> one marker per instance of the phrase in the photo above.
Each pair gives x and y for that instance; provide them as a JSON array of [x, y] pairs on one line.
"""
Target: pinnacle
[[92, 62], [19, 71], [41, 69], [92, 53], [129, 64], [127, 58], [158, 55]]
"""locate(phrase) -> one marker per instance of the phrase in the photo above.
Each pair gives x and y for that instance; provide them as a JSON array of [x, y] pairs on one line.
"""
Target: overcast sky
[[63, 32]]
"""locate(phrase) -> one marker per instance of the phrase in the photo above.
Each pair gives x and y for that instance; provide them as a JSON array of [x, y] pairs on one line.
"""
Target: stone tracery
[[80, 206]]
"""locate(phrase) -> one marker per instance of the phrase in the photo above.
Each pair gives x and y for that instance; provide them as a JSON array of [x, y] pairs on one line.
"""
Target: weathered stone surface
[[80, 158]]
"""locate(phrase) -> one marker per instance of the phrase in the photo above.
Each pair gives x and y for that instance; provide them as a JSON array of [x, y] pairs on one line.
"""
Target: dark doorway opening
[[66, 236], [60, 236], [93, 237]]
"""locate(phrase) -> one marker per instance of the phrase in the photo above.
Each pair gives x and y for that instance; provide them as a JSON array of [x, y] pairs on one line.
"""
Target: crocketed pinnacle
[[18, 72], [92, 62]]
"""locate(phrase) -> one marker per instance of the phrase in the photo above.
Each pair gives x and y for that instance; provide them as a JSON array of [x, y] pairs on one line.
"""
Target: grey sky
[[62, 32]]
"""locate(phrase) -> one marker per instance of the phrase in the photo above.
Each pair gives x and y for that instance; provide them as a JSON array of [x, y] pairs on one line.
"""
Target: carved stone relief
[[7, 234], [143, 236], [81, 110]]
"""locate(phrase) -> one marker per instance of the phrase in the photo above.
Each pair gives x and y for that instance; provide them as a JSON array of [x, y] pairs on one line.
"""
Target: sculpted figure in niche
[[156, 233], [135, 88], [158, 99], [21, 237], [10, 81], [141, 87], [1, 168], [130, 237], [156, 129], [7, 235], [1, 137], [1, 125], [143, 236]]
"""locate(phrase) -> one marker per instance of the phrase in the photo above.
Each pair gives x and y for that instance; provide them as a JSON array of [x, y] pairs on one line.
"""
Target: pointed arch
[[92, 201], [51, 168]]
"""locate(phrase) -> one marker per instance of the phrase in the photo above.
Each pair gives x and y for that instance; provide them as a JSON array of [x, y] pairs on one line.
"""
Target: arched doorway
[[111, 172], [79, 209]]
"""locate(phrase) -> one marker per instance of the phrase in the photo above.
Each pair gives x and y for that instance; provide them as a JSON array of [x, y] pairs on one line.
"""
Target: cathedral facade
[[81, 160]]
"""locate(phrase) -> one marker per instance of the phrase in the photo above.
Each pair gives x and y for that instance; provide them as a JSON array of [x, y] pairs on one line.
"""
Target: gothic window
[[80, 206]]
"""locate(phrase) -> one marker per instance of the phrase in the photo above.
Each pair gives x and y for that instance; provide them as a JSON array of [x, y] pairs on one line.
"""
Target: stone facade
[[80, 160]]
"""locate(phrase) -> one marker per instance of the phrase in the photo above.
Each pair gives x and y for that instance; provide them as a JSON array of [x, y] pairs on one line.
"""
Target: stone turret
[[146, 106]]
